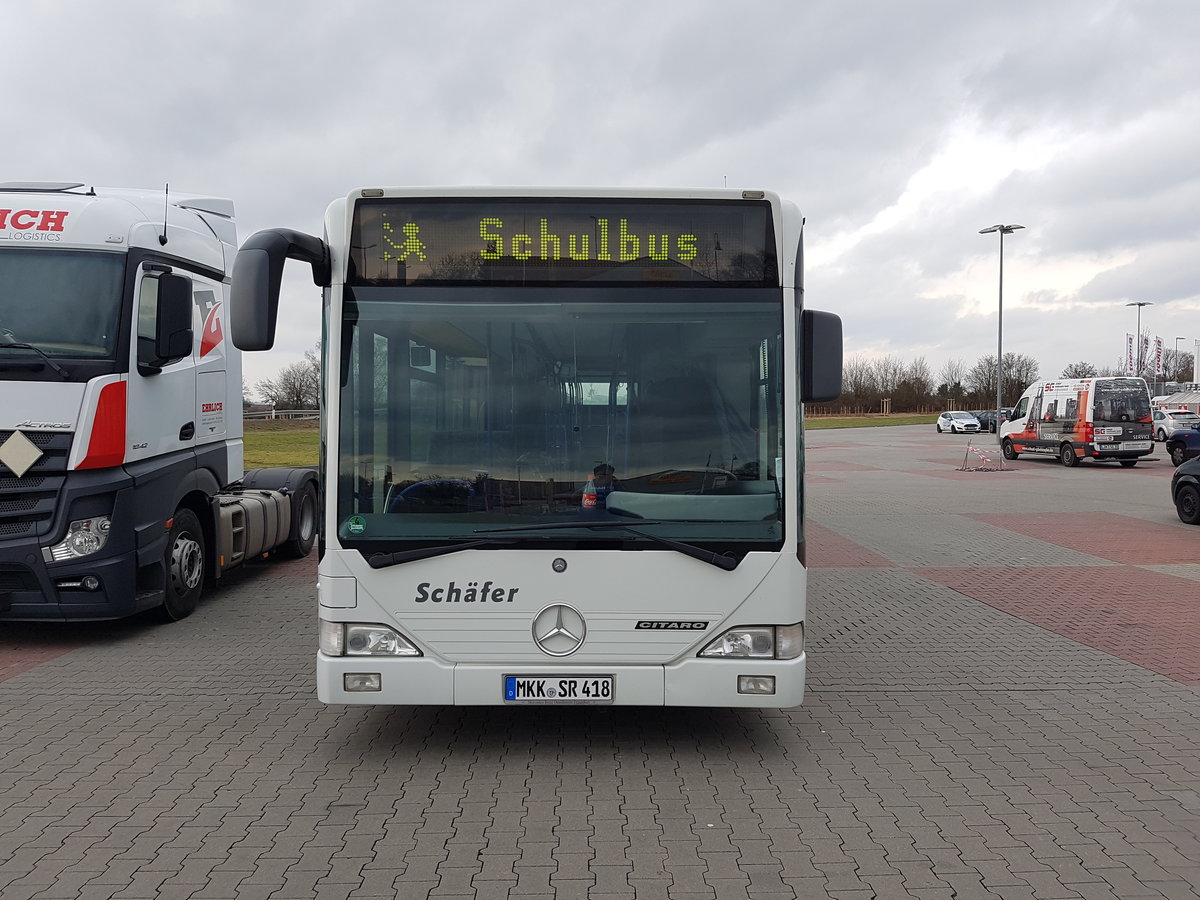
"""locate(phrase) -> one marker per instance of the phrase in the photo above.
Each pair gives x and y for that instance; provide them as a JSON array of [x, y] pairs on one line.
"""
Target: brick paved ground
[[959, 740]]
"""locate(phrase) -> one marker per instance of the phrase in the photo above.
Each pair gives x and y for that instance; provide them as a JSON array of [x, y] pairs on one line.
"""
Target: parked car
[[1185, 491], [1167, 421], [987, 418], [1183, 444], [957, 422]]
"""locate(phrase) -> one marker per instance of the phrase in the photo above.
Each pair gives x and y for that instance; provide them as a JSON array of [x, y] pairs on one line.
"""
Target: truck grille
[[27, 503]]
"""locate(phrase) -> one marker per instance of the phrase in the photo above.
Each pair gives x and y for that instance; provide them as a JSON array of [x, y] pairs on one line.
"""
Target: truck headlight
[[84, 537], [353, 639], [758, 642]]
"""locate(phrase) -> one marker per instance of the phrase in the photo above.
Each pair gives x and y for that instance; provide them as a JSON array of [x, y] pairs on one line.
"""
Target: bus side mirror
[[257, 274], [173, 323], [821, 356]]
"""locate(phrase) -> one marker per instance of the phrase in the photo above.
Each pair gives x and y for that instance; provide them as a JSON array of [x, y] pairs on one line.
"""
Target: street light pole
[[1138, 337], [1003, 230]]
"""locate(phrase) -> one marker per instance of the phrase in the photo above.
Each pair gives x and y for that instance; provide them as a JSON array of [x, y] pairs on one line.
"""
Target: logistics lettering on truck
[[562, 443], [121, 483], [1102, 419]]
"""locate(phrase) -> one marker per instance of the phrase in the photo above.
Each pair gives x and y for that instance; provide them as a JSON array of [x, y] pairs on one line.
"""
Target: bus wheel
[[304, 522], [1066, 455], [1009, 452], [184, 561], [1128, 463]]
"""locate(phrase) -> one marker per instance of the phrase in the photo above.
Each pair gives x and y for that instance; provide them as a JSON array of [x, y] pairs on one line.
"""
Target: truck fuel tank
[[250, 524]]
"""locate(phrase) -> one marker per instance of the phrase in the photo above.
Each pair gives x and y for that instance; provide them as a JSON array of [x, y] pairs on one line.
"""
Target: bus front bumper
[[425, 681]]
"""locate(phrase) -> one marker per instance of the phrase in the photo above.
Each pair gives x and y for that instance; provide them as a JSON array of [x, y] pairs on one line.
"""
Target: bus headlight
[[758, 642], [755, 642], [84, 537], [352, 639]]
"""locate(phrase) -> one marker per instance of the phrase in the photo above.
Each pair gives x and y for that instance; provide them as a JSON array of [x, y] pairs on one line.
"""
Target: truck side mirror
[[173, 324], [821, 356]]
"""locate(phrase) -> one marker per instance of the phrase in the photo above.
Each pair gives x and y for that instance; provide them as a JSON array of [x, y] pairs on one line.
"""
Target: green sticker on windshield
[[356, 524]]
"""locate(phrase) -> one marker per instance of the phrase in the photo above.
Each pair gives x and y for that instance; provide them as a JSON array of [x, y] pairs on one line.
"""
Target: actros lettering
[[625, 245], [32, 219], [472, 593]]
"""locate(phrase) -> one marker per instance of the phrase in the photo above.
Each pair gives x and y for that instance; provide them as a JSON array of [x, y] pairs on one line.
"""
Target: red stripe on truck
[[107, 444]]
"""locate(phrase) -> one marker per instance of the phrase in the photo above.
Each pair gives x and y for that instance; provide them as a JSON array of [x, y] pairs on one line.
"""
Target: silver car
[[1168, 421], [958, 422]]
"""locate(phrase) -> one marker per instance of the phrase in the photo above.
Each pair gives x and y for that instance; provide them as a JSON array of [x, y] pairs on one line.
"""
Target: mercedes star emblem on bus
[[559, 630]]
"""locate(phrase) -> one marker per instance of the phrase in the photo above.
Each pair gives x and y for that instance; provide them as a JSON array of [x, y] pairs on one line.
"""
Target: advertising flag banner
[[1129, 364], [1158, 356]]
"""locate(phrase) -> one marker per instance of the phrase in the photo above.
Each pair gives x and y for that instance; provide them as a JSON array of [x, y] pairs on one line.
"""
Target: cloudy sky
[[900, 129]]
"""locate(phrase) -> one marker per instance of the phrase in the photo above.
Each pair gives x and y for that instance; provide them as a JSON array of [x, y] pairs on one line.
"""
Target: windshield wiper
[[383, 560], [7, 343], [728, 563]]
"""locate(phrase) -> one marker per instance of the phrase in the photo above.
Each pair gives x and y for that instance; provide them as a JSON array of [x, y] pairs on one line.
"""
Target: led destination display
[[480, 241]]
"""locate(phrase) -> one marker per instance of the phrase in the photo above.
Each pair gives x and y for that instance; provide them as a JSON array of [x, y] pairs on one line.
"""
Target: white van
[[1082, 418]]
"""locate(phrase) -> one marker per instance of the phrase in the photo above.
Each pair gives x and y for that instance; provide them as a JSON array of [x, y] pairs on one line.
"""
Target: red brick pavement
[[1148, 618], [829, 550], [16, 656], [1138, 615], [1119, 538], [25, 645]]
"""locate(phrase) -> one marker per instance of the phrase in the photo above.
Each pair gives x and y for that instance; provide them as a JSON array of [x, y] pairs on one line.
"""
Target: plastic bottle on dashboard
[[589, 494]]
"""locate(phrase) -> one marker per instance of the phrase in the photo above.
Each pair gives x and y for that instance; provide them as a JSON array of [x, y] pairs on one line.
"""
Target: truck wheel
[[1066, 455], [1009, 452], [304, 522], [184, 561]]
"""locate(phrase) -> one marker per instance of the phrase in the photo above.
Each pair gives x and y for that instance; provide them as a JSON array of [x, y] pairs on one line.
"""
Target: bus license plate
[[556, 689]]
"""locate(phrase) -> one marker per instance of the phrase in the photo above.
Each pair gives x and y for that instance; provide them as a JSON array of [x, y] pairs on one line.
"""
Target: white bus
[[562, 443]]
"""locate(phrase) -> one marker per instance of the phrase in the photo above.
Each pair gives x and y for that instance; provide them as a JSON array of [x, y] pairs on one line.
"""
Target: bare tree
[[918, 375], [889, 370], [856, 376], [1020, 371], [952, 375], [296, 386], [1080, 370], [1178, 366]]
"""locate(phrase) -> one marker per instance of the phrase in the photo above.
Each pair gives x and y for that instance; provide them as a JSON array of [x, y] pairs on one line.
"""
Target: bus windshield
[[459, 418], [63, 303]]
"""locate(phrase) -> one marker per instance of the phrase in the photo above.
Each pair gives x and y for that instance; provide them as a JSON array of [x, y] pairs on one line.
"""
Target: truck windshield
[[66, 303], [461, 418]]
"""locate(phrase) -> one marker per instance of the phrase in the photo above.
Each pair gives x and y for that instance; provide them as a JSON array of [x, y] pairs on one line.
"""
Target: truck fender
[[200, 485]]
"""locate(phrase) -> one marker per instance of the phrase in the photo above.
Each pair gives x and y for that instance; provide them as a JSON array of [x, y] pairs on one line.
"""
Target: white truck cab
[[120, 405]]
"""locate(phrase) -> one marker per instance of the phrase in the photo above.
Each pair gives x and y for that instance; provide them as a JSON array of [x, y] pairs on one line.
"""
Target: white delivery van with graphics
[[1082, 418]]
